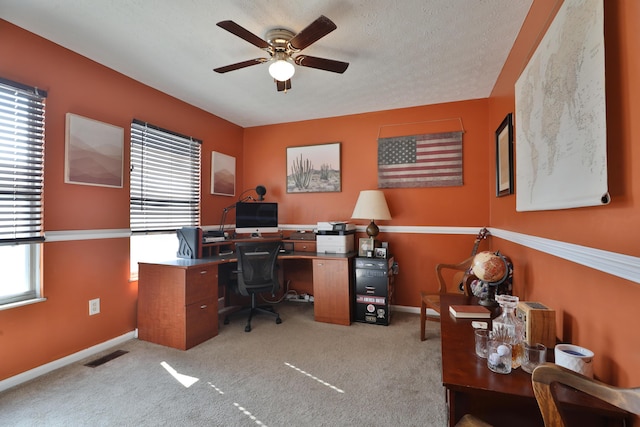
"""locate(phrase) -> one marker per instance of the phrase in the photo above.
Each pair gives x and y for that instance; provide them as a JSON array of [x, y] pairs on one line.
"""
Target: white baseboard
[[57, 364]]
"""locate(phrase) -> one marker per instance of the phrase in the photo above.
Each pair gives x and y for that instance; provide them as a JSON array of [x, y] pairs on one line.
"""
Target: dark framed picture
[[504, 157], [381, 252], [365, 244], [314, 168]]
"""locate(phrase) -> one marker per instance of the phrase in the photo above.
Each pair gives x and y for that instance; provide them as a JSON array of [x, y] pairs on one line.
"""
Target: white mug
[[576, 358]]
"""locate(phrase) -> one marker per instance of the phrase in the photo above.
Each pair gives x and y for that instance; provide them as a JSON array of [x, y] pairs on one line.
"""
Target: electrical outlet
[[94, 306]]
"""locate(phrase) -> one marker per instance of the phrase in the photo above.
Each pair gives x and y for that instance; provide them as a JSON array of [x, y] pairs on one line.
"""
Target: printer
[[335, 237]]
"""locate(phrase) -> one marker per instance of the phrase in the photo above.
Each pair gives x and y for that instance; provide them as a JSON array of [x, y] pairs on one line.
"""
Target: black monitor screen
[[258, 217]]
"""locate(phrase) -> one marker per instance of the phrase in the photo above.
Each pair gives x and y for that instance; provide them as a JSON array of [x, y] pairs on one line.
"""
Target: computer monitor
[[256, 218]]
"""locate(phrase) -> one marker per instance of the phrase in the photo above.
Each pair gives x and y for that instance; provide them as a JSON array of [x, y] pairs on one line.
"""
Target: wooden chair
[[457, 279], [544, 375]]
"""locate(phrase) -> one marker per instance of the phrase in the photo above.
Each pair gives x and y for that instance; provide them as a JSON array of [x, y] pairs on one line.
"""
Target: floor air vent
[[105, 359]]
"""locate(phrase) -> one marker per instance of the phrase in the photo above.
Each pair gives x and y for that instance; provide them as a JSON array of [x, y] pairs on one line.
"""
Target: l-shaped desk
[[178, 299]]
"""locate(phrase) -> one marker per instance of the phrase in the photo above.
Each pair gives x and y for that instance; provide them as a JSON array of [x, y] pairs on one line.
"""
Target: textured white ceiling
[[402, 53]]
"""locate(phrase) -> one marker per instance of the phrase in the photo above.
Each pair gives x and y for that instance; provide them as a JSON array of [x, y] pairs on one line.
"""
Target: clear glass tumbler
[[533, 355], [499, 357], [482, 342]]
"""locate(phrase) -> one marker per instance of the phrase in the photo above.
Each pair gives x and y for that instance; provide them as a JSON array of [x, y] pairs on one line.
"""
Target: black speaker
[[261, 191]]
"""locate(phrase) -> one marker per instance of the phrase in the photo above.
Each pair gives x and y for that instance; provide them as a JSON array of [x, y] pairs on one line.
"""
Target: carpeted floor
[[298, 373]]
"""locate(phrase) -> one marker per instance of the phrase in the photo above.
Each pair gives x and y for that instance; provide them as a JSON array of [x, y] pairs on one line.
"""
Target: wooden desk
[[501, 400], [178, 299]]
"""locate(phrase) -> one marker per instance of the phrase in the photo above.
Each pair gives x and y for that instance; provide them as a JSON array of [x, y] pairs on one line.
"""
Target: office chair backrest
[[257, 267], [627, 399]]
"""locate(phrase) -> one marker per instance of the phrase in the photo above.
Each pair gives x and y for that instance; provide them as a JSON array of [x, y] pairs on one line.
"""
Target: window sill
[[21, 303]]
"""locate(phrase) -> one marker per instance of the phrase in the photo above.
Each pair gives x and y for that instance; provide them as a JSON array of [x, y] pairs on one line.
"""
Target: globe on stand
[[492, 269]]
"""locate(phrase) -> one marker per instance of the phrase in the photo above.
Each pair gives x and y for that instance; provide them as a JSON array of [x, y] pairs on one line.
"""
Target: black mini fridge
[[374, 283]]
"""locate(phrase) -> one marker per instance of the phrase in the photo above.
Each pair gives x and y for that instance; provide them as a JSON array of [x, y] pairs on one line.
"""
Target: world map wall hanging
[[561, 118]]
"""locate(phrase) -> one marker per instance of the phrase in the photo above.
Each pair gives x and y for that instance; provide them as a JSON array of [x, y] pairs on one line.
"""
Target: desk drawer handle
[[203, 272], [203, 306]]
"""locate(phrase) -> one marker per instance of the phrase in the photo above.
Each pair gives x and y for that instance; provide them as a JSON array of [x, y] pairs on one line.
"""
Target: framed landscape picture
[[223, 174], [314, 168], [94, 152]]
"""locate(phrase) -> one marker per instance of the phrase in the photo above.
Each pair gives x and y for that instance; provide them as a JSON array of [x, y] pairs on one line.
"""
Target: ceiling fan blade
[[283, 86], [239, 65], [321, 63], [243, 33], [312, 33]]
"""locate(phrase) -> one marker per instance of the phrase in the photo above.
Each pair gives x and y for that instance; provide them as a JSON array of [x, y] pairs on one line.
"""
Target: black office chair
[[256, 273]]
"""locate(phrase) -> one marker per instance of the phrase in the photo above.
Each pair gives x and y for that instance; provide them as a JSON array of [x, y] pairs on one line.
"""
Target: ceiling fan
[[283, 46]]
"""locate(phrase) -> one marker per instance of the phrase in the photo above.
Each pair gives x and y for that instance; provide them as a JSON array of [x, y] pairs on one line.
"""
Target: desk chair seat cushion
[[256, 274]]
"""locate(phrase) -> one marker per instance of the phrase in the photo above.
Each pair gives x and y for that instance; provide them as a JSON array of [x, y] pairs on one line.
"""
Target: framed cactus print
[[314, 168]]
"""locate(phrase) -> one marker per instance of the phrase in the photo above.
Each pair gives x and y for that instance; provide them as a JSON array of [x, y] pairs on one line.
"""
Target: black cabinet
[[374, 284]]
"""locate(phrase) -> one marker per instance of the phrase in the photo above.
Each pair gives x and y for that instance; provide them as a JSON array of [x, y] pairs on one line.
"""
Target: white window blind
[[21, 162], [165, 179]]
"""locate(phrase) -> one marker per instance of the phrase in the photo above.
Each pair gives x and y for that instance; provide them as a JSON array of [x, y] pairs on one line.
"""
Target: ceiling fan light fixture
[[282, 44], [281, 69]]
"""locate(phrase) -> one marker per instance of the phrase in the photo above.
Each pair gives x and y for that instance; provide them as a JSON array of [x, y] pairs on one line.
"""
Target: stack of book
[[470, 311]]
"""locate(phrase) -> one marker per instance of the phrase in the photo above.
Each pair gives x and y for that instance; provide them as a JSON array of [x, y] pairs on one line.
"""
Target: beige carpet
[[298, 373]]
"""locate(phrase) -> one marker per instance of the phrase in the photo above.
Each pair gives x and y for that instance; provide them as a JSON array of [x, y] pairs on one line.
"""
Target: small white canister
[[576, 358]]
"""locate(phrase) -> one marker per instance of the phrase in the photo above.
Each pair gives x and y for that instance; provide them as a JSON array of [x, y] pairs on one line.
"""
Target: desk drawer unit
[[200, 283], [199, 319], [332, 290], [177, 306], [304, 246], [374, 290]]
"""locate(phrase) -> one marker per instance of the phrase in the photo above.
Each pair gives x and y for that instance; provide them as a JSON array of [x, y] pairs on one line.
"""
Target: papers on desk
[[213, 239], [469, 311]]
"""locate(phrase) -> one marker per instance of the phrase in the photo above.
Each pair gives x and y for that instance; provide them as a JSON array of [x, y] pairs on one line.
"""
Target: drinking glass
[[482, 341], [499, 357], [534, 355]]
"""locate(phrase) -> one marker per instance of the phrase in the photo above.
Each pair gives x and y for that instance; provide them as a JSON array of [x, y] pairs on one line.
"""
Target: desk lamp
[[260, 191], [371, 205]]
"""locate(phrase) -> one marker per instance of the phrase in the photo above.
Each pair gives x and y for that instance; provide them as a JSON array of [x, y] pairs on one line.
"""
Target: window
[[164, 191], [21, 184]]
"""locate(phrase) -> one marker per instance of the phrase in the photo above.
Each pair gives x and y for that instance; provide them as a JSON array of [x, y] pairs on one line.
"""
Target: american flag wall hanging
[[427, 160]]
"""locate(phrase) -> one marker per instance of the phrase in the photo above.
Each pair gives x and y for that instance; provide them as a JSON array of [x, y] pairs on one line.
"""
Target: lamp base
[[372, 230]]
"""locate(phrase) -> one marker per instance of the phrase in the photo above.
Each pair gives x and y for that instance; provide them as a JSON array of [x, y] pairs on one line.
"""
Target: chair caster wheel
[[247, 328], [278, 320]]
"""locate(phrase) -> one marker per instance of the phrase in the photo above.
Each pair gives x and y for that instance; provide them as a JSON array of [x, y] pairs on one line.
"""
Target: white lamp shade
[[371, 205], [282, 70]]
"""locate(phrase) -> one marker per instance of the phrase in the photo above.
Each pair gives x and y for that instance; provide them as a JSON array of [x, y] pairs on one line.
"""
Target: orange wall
[[417, 254], [594, 309], [575, 292], [76, 271]]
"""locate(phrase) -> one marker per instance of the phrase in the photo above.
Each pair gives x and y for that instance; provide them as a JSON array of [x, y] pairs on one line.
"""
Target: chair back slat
[[627, 399]]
